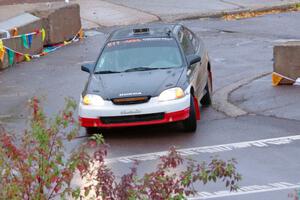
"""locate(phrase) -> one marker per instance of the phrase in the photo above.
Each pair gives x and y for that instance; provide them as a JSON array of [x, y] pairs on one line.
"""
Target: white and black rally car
[[153, 75]]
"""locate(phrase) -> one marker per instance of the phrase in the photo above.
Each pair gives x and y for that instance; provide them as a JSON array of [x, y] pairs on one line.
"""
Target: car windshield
[[139, 55]]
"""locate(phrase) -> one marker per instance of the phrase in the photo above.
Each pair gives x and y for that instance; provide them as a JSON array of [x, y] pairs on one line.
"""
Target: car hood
[[130, 84]]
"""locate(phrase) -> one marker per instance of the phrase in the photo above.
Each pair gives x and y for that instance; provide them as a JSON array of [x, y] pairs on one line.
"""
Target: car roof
[[152, 30]]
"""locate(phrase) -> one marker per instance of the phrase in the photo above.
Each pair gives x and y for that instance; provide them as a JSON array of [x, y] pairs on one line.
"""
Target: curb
[[221, 97], [220, 14]]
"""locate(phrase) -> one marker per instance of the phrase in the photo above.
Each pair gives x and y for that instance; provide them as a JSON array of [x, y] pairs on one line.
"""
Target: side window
[[195, 43], [194, 40], [186, 41]]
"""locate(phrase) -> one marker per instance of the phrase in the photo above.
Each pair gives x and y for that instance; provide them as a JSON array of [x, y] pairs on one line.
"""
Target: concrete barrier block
[[25, 23], [287, 59], [61, 22]]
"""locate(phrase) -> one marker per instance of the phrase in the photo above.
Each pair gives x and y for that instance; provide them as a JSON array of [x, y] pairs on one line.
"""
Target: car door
[[186, 39], [202, 72]]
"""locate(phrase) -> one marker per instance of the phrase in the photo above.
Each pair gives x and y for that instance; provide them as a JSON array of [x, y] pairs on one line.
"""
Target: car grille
[[130, 100], [132, 118]]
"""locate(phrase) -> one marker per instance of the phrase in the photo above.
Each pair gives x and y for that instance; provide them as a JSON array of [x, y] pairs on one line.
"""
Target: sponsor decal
[[128, 112], [157, 39], [116, 43]]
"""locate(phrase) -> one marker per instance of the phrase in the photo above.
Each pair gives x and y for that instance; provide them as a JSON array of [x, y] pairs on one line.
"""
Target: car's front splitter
[[168, 117]]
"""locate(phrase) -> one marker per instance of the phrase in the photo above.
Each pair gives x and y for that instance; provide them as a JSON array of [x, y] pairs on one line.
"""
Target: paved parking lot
[[266, 146]]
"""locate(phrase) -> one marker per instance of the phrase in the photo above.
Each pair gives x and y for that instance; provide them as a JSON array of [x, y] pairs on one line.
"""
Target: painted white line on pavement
[[246, 190], [208, 149]]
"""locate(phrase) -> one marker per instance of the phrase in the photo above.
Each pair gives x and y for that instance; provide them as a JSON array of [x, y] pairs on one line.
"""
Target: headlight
[[171, 94], [92, 99]]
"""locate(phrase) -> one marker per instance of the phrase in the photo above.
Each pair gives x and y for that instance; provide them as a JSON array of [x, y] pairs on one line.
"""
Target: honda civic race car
[[150, 74]]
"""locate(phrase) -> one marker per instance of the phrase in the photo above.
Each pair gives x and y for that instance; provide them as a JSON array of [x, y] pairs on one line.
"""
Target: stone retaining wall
[[61, 22]]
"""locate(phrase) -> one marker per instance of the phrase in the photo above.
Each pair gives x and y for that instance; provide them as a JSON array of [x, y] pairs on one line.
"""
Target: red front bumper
[[168, 117]]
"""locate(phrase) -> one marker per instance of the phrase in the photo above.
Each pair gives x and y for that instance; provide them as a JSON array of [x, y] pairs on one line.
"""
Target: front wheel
[[190, 124]]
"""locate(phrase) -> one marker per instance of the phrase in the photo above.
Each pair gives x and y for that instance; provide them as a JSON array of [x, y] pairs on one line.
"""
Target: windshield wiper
[[142, 69], [106, 72]]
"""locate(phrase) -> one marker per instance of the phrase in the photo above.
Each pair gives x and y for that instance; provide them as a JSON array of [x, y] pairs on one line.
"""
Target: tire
[[206, 99], [190, 124], [91, 131]]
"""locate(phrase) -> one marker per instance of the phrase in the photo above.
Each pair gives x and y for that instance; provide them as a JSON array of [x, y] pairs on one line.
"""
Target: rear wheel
[[206, 99], [190, 124]]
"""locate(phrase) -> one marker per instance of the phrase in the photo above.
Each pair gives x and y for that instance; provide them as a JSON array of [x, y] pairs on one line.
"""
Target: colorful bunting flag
[[35, 56], [278, 79], [2, 53], [27, 57], [19, 57], [43, 34], [81, 34], [15, 32], [11, 56], [1, 45], [25, 42], [29, 40], [37, 31], [48, 49], [43, 53], [66, 42]]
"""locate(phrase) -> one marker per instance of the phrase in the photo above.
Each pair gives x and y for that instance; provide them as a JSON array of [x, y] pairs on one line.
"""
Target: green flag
[[11, 56], [25, 42]]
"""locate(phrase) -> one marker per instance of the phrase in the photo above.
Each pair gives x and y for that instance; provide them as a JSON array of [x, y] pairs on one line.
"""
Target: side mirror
[[192, 59], [88, 67]]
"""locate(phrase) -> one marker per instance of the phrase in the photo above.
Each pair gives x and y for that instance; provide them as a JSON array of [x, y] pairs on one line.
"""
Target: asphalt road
[[266, 146], [273, 101]]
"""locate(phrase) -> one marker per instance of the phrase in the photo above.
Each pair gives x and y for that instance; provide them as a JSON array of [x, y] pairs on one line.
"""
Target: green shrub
[[37, 167]]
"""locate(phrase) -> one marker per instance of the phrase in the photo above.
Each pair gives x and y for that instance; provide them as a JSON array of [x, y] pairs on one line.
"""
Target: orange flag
[[2, 53], [81, 34], [15, 32]]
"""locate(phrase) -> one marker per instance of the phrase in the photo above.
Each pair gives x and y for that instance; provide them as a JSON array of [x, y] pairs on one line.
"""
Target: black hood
[[129, 84]]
